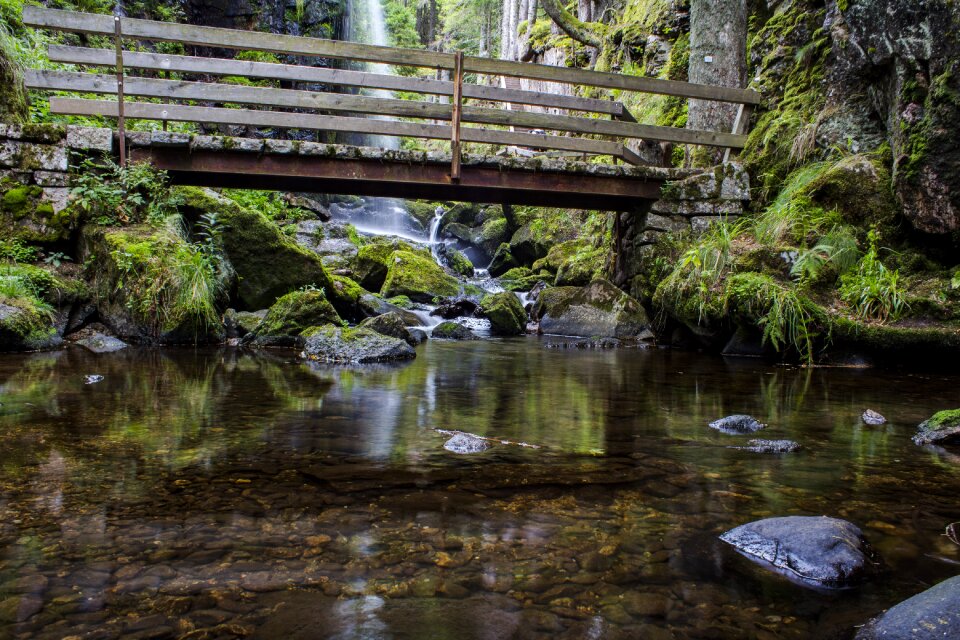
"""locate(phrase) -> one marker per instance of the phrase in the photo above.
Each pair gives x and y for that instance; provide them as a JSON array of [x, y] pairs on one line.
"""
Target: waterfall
[[369, 26]]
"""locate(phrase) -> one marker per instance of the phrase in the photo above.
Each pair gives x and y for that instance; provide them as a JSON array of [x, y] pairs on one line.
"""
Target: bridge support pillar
[[687, 206]]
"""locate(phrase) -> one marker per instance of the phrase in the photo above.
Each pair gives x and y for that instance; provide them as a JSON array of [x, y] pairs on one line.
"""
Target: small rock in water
[[872, 417], [770, 446], [93, 378], [466, 443], [737, 424]]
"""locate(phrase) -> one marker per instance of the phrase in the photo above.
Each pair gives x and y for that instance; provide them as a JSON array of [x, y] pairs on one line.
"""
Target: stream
[[219, 493]]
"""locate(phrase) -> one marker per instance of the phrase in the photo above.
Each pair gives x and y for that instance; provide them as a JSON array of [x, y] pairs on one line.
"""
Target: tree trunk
[[515, 34], [584, 10], [580, 31], [718, 56], [531, 16]]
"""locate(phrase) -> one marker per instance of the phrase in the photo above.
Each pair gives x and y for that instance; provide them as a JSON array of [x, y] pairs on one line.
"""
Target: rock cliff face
[[894, 77], [317, 18]]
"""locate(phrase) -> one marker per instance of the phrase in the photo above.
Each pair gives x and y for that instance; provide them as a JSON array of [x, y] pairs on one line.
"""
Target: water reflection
[[229, 494]]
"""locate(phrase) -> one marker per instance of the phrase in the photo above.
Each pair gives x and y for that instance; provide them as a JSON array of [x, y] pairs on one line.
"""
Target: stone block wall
[[691, 204], [34, 175]]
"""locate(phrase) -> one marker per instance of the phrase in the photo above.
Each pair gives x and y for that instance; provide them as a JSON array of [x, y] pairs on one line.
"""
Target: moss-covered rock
[[597, 310], [502, 261], [26, 326], [558, 254], [527, 245], [583, 267], [451, 331], [417, 277], [151, 285], [459, 262], [506, 314], [422, 212], [26, 215], [373, 260], [942, 427], [248, 321], [391, 324], [14, 105], [360, 346], [268, 263], [291, 315]]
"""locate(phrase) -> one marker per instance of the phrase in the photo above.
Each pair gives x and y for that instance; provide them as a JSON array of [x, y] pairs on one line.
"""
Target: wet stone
[[812, 551], [871, 417], [932, 614], [737, 424], [100, 343], [466, 443], [770, 446]]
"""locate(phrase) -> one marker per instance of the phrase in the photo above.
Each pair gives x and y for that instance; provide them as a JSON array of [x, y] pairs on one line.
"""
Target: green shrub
[[109, 194], [787, 317], [873, 291]]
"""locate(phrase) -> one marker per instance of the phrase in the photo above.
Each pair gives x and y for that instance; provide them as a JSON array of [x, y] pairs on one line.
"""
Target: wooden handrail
[[323, 75], [78, 22], [291, 98]]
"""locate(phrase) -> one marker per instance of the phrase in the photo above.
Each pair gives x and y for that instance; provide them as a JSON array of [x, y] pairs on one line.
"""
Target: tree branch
[[583, 32]]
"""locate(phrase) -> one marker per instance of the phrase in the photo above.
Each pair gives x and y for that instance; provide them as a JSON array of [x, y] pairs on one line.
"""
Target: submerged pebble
[[871, 417]]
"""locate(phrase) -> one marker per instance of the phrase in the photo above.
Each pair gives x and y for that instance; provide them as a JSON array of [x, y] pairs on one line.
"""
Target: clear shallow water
[[222, 494]]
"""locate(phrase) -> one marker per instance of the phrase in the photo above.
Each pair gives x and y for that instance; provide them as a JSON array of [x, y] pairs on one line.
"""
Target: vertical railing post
[[740, 124], [121, 121], [455, 120]]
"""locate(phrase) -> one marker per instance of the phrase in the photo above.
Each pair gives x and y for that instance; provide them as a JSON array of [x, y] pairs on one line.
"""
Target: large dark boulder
[[359, 346], [813, 551], [942, 427], [933, 614], [268, 263], [599, 309]]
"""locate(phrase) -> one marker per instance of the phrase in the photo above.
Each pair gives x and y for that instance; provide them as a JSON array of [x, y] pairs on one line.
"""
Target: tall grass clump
[[793, 216], [786, 316], [873, 291], [836, 250], [699, 270]]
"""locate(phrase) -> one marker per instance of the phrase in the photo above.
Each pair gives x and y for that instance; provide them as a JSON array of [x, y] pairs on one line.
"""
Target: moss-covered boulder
[[290, 316], [524, 279], [417, 277], [352, 301], [599, 309], [502, 261], [506, 314], [14, 105], [26, 326], [373, 260], [268, 263], [558, 254], [527, 245], [458, 262], [391, 324], [151, 285], [942, 427], [421, 211], [28, 215], [334, 242], [360, 346], [582, 267], [451, 331]]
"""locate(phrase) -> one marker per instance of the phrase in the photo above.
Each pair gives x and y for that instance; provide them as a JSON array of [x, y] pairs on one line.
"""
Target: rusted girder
[[428, 181]]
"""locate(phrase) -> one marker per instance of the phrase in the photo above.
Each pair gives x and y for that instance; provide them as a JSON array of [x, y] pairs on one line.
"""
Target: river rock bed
[[264, 498]]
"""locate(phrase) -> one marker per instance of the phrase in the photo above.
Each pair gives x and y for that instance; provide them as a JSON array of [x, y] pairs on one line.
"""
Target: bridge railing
[[313, 109]]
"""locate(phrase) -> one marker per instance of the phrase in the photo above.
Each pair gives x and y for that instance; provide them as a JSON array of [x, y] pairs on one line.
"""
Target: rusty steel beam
[[399, 180]]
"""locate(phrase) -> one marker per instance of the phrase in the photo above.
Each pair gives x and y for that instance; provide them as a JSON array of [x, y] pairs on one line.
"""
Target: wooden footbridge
[[494, 147]]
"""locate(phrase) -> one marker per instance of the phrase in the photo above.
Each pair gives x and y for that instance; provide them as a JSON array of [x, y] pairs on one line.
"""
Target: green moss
[[268, 264], [417, 277], [401, 301], [505, 313], [295, 312], [372, 261], [156, 283], [460, 263]]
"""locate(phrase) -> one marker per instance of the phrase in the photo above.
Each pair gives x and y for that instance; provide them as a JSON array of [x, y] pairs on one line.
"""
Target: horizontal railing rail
[[256, 106]]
